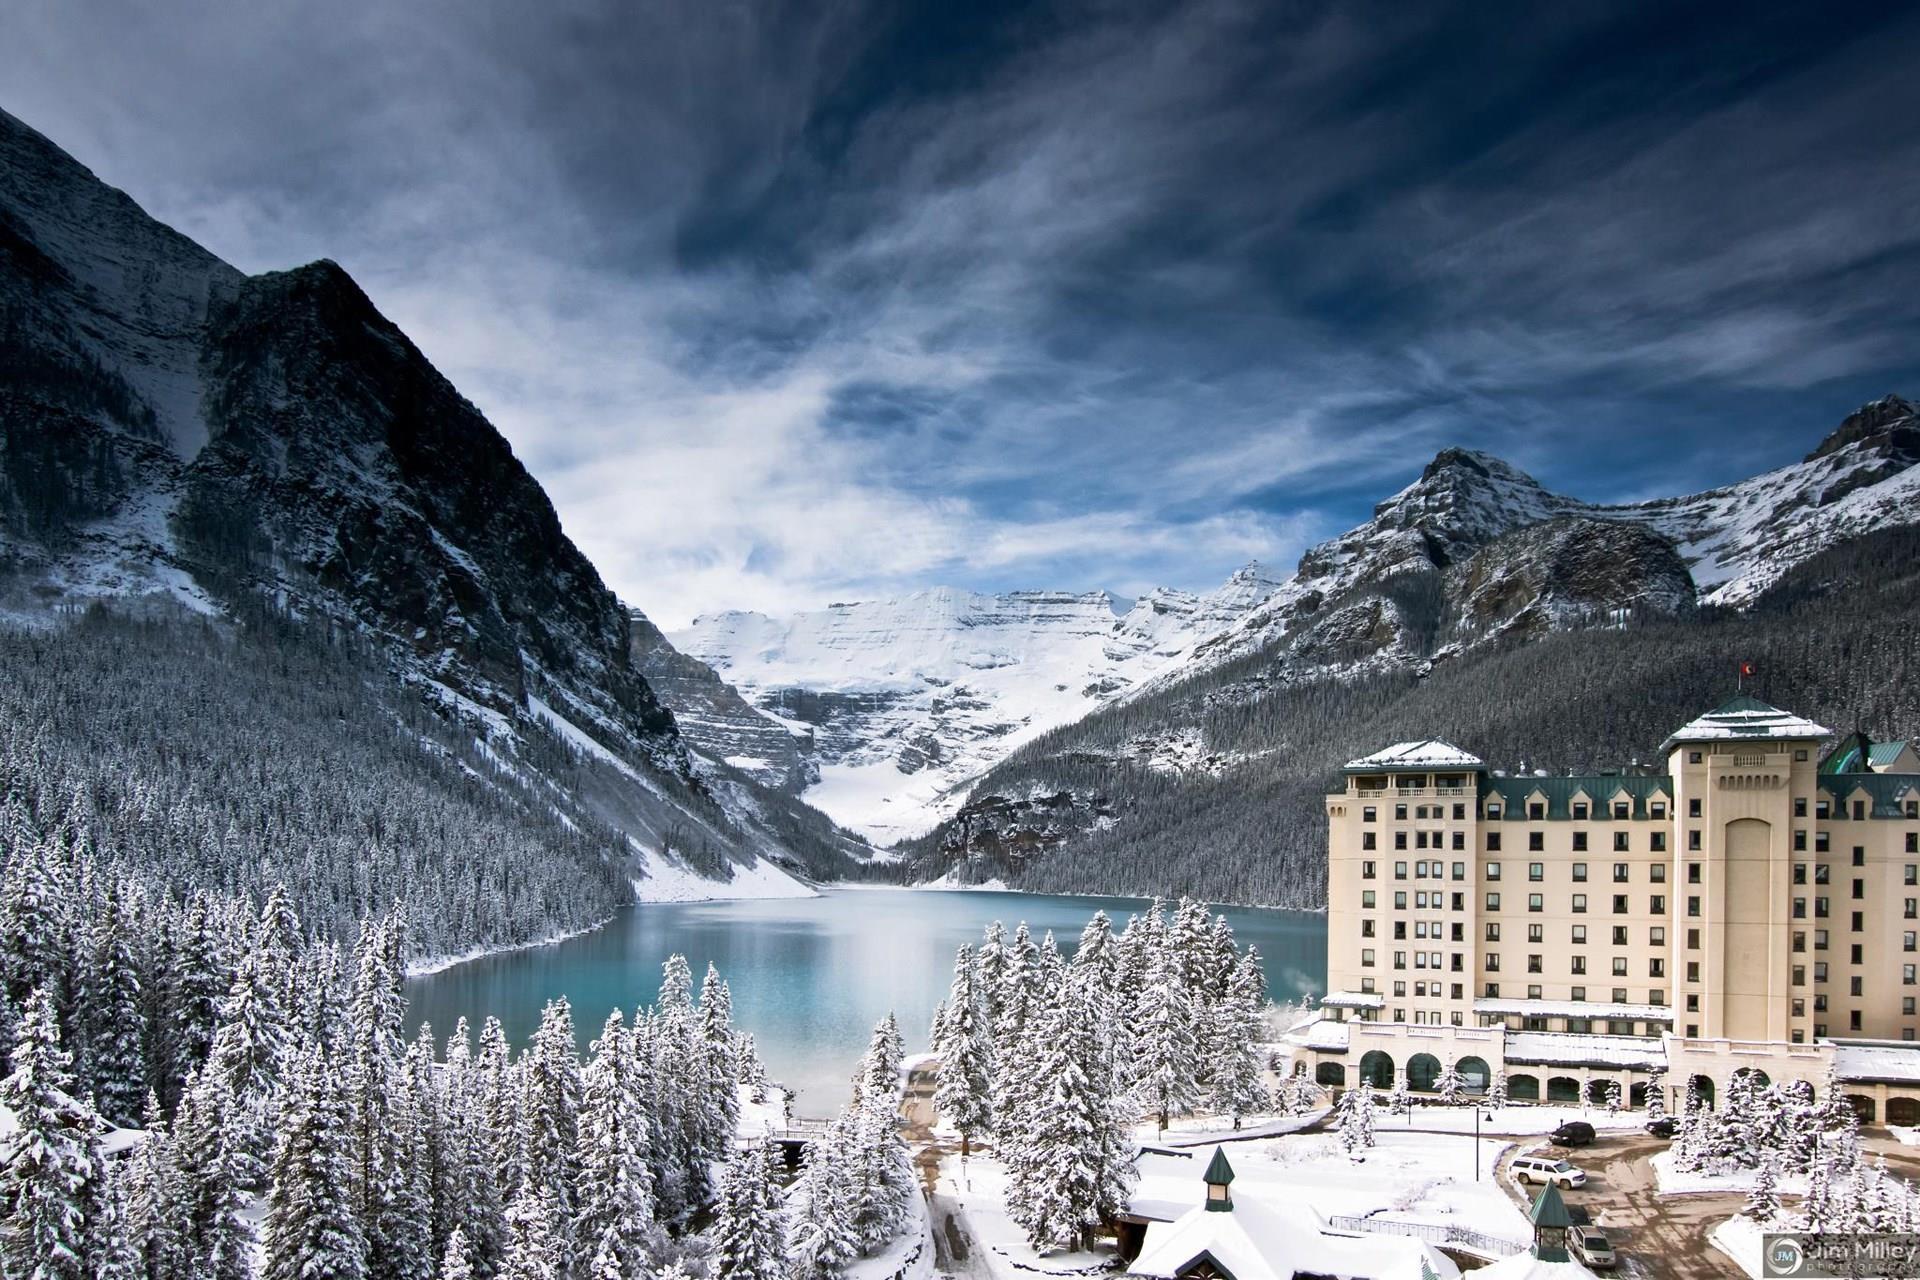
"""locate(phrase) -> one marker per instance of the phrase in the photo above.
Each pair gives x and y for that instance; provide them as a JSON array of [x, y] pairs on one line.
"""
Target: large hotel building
[[1756, 906]]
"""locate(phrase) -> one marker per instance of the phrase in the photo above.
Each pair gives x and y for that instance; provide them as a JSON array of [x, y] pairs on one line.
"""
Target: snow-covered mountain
[[173, 428], [905, 699]]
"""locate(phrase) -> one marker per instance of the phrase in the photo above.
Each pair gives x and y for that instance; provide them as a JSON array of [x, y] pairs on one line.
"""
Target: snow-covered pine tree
[[753, 1072], [534, 1249], [1450, 1085], [963, 1095], [1400, 1100], [310, 1231], [155, 1225], [1616, 1097], [1165, 1046], [1236, 1083], [1355, 1110], [1763, 1202], [749, 1229], [990, 976], [50, 1187], [456, 1261], [1656, 1094], [1497, 1090], [882, 1175], [615, 1215], [550, 1115], [823, 1236], [212, 1172], [721, 1066], [878, 1081], [115, 1018]]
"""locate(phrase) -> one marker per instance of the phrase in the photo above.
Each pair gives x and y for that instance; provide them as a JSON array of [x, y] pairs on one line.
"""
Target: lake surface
[[809, 976]]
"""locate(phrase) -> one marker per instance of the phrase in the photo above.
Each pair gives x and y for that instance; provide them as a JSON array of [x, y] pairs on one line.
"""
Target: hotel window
[[1857, 954], [1859, 856], [1656, 811], [1533, 993], [1493, 962], [1536, 871], [1858, 921], [1820, 809], [1535, 812], [1906, 1010], [1799, 1008], [1366, 870], [1799, 873], [1534, 965], [1579, 872], [1799, 975], [1619, 966], [1693, 757], [1819, 939], [1577, 993], [1693, 971], [1693, 873], [1799, 841], [1369, 840], [1493, 813], [1459, 871], [1579, 935], [1420, 841], [1366, 899], [1620, 935], [1399, 813], [1821, 842], [1536, 933], [1619, 904], [1459, 812], [1579, 842], [1493, 991], [1620, 995], [1399, 871], [1620, 873], [1493, 842], [1369, 814], [1400, 990], [1859, 888], [1907, 941], [1399, 959], [1622, 810], [1693, 939], [1908, 908], [1535, 903], [1660, 846], [1912, 874], [1693, 1006], [1366, 957], [1536, 841], [1399, 839], [1799, 806], [1400, 931], [1579, 964], [1821, 873], [1656, 968], [1399, 899], [1493, 871], [1579, 812], [1820, 908], [1658, 871], [1619, 842], [1800, 754], [1493, 902], [1854, 985], [1859, 810], [1493, 931], [1820, 971], [1657, 904], [1913, 811], [1799, 939], [1460, 840], [1693, 840], [1693, 807], [1366, 928]]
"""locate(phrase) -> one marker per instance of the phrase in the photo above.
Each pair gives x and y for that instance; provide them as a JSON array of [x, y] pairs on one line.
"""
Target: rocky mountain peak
[[1891, 424]]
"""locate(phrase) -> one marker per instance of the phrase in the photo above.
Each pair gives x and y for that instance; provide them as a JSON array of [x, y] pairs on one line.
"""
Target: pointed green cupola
[[1219, 1174], [1550, 1223]]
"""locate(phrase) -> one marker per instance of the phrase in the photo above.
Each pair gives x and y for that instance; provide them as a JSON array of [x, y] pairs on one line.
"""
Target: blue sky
[[789, 303]]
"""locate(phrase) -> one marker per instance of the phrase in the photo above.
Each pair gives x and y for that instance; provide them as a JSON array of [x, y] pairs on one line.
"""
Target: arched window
[[1475, 1072], [1563, 1089], [1376, 1069], [1422, 1070], [1523, 1088], [1330, 1073]]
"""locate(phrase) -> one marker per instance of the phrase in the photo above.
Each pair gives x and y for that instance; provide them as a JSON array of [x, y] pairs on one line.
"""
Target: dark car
[[1664, 1127], [1574, 1133]]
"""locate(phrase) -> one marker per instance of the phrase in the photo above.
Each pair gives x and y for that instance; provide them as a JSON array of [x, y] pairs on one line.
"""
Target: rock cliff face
[[171, 427]]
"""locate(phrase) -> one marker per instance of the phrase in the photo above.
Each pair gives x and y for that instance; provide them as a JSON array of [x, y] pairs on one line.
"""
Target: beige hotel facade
[[1755, 906]]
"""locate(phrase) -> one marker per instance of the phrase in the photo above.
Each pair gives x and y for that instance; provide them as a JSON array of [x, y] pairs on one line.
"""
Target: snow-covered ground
[[1678, 1182], [669, 881], [1512, 1121]]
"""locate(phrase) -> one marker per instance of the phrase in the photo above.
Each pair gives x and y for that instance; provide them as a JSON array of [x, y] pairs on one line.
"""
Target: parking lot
[[1653, 1235]]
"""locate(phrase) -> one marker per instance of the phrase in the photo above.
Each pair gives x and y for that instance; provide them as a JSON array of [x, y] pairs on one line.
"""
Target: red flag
[[1746, 668]]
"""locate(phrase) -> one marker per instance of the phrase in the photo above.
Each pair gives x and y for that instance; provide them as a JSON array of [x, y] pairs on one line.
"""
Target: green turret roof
[[1219, 1172]]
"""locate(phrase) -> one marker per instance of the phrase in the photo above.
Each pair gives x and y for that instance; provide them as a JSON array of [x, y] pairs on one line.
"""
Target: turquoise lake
[[809, 976]]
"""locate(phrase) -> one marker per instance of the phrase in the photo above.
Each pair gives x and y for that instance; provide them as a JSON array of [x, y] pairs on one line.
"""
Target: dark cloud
[[797, 301]]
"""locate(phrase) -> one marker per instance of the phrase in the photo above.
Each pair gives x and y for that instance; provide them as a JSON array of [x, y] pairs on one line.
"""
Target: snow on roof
[[1328, 1035], [1524, 1266], [1893, 1062], [1559, 1048], [1746, 718], [1353, 1000], [1429, 753], [1268, 1238], [1576, 1009]]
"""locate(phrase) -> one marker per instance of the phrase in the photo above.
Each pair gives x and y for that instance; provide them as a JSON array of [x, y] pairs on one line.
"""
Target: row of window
[[1577, 903], [1857, 811], [1656, 967]]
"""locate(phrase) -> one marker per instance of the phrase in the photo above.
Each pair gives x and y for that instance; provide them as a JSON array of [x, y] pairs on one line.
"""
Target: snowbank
[[669, 881]]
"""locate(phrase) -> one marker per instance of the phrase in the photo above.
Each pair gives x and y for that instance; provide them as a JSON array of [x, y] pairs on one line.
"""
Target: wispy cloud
[[801, 302]]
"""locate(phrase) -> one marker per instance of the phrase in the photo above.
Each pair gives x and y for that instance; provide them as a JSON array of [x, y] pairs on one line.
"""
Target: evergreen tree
[[116, 1020], [1763, 1202], [878, 1080], [1355, 1112], [615, 1215], [1166, 1047], [535, 1251], [1497, 1090], [1236, 1085], [749, 1234], [212, 1171], [1656, 1095], [964, 1047], [550, 1115], [456, 1263], [1450, 1085], [824, 1237], [310, 1231], [50, 1187]]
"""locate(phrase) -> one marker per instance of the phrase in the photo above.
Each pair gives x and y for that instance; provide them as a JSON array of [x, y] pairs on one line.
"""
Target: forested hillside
[[194, 754], [1094, 807]]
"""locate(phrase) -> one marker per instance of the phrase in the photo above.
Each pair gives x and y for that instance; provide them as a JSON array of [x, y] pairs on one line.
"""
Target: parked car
[[1545, 1169], [1574, 1133], [1664, 1127], [1591, 1246]]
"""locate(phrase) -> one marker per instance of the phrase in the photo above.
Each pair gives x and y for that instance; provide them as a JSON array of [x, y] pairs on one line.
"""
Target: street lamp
[[1478, 1115]]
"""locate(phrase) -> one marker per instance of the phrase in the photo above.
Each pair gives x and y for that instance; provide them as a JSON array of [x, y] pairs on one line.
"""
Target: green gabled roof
[[1852, 754], [1889, 791], [1601, 788], [1219, 1172], [1884, 753]]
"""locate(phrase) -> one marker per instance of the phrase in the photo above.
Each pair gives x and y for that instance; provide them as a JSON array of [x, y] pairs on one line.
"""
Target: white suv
[[1544, 1169]]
